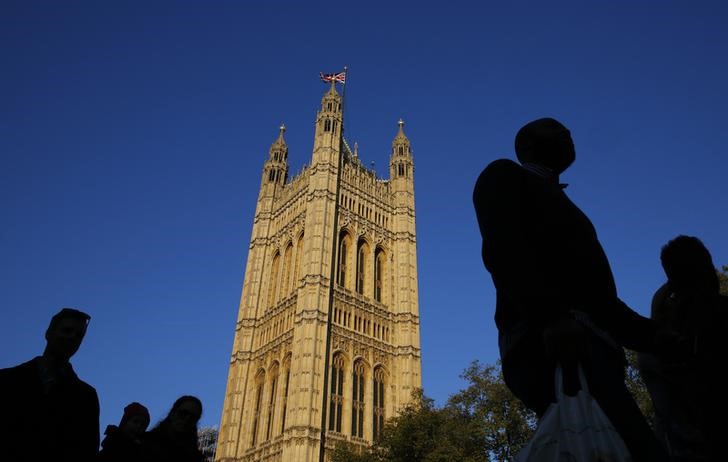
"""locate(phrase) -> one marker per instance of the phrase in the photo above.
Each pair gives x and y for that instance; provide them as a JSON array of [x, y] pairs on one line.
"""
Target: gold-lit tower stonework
[[328, 323]]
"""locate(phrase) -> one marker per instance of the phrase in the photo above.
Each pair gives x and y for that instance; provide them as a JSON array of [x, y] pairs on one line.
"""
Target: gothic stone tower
[[332, 266]]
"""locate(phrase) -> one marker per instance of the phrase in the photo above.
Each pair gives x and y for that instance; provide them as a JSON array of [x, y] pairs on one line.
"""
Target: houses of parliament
[[327, 339]]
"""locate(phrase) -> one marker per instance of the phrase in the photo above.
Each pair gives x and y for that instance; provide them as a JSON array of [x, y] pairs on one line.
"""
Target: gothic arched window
[[259, 380], [361, 257], [343, 259], [378, 274], [357, 412], [378, 407], [336, 393], [286, 382], [327, 125], [299, 259], [285, 285], [272, 400], [272, 288]]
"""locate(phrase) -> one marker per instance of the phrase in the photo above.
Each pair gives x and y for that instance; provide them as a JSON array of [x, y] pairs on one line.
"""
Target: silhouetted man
[[556, 299], [48, 413], [688, 390]]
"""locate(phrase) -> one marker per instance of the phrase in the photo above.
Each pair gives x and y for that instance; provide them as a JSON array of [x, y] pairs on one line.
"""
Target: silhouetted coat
[[158, 446], [117, 446], [60, 423], [711, 352], [545, 260], [688, 391]]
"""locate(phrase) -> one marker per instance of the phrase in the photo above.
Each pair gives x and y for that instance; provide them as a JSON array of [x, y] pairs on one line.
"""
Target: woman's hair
[[687, 263], [183, 399], [188, 438]]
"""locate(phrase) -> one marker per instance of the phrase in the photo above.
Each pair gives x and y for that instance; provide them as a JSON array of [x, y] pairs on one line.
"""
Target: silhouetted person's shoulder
[[501, 166], [23, 377], [497, 190], [497, 173], [86, 390], [19, 369]]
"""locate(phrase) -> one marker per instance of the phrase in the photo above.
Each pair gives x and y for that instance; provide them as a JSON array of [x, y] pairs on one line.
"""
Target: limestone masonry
[[283, 383]]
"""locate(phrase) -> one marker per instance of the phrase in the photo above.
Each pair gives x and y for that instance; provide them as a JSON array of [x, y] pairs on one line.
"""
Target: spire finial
[[280, 141], [401, 126], [356, 149], [282, 130]]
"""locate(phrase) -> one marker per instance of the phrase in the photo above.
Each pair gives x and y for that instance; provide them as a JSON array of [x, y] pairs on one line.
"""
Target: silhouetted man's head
[[688, 265], [545, 142], [65, 333]]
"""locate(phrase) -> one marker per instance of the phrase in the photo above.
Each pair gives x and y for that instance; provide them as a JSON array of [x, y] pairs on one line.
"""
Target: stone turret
[[326, 143]]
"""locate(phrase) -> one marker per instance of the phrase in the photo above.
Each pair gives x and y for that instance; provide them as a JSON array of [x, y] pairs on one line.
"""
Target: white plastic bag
[[574, 429]]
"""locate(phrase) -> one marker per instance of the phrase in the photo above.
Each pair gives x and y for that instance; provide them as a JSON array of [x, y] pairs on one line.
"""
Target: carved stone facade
[[332, 263]]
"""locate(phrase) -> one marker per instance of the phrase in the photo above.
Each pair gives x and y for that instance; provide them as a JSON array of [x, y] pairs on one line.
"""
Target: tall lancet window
[[343, 257], [299, 260], [286, 383], [361, 257], [378, 408], [273, 282], [336, 393], [287, 270], [357, 417], [256, 415], [272, 400], [378, 274]]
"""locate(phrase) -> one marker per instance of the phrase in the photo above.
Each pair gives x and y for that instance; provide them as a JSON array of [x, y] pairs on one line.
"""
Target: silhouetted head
[[184, 415], [65, 333], [689, 266], [545, 142], [135, 420], [180, 425]]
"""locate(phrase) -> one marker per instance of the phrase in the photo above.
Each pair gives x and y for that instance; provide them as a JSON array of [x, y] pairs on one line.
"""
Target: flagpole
[[343, 103], [332, 278]]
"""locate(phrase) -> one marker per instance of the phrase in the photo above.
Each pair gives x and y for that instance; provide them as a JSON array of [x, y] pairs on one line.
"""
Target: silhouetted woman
[[174, 439]]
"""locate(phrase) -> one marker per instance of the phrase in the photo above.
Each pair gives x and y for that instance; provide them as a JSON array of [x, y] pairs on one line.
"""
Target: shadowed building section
[[333, 222]]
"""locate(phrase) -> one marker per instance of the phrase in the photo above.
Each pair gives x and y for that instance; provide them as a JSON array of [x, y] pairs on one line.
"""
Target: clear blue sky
[[133, 135]]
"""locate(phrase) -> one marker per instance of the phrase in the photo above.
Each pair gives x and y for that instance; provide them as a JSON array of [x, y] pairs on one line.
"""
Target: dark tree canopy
[[481, 423]]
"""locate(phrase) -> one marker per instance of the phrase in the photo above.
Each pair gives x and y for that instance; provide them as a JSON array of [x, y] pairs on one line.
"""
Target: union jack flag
[[337, 77]]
